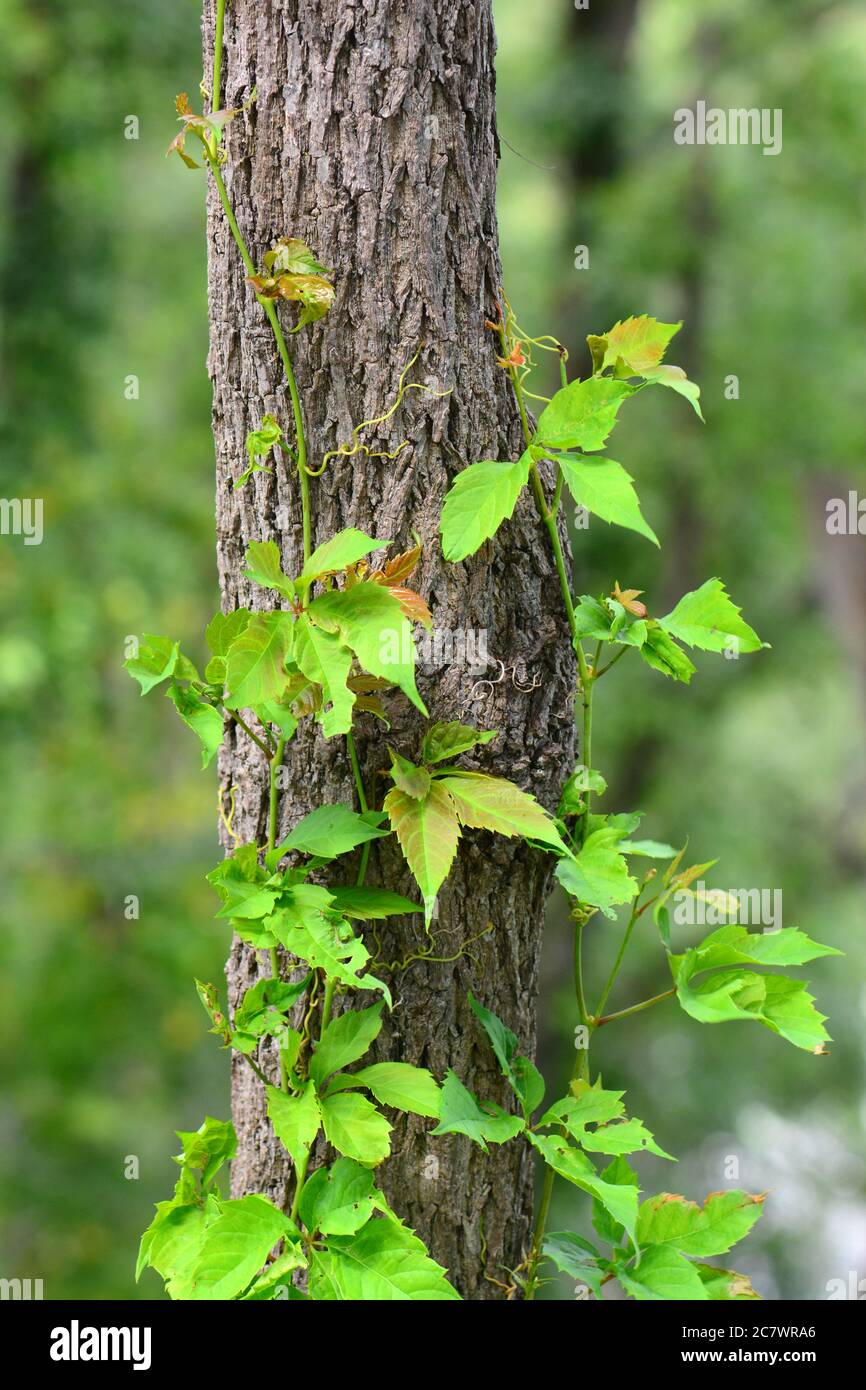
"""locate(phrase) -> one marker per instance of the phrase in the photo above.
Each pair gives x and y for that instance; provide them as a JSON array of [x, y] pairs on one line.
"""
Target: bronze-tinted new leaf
[[401, 566], [629, 598]]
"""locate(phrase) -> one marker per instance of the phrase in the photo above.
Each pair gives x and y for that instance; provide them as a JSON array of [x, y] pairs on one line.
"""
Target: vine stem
[[256, 1068], [273, 806], [636, 1008], [233, 714], [330, 983], [275, 761], [538, 1233], [619, 959], [362, 802], [549, 518], [274, 789], [581, 1068], [300, 1180], [614, 659], [586, 684], [300, 437], [273, 320], [304, 480], [216, 76], [548, 515]]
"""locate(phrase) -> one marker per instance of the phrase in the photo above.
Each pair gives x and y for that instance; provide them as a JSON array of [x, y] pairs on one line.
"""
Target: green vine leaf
[[611, 1133], [607, 621], [604, 488], [339, 1200], [707, 618], [207, 1148], [279, 714], [598, 875], [619, 1173], [448, 740], [158, 659], [324, 659], [234, 1247], [383, 1262], [370, 904], [711, 1229], [677, 380], [414, 781], [521, 1074], [619, 1200], [480, 499], [356, 1128], [427, 831], [736, 945], [291, 256], [223, 628], [205, 721], [586, 1105], [276, 1280], [265, 567], [492, 803], [207, 129], [597, 345], [576, 1257], [725, 1284], [647, 849], [329, 831], [572, 801], [256, 660], [581, 415], [296, 1120], [313, 292], [203, 1246], [259, 444], [337, 554], [262, 1011], [371, 623], [171, 1243], [215, 674], [636, 345], [291, 272], [212, 1005], [345, 1040], [626, 1137], [662, 1273], [398, 1084], [249, 901], [781, 1004], [328, 943], [461, 1113], [243, 885], [659, 651]]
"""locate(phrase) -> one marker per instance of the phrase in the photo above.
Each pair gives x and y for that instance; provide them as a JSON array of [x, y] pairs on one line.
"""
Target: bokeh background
[[762, 762]]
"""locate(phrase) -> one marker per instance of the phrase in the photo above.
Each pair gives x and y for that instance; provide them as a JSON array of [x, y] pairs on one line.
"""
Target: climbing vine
[[657, 1248], [335, 637]]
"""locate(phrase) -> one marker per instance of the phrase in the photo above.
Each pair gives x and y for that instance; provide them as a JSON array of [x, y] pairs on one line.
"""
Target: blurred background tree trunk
[[373, 137]]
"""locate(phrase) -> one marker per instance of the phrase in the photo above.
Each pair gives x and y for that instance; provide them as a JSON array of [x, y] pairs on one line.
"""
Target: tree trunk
[[373, 138]]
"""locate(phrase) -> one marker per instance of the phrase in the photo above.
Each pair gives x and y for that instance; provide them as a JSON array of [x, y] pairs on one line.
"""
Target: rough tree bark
[[373, 138]]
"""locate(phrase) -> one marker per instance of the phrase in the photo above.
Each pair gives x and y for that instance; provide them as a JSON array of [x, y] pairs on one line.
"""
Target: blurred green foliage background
[[760, 762]]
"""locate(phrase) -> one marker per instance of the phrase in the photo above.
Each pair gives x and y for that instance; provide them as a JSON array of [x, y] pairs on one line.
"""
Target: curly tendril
[[357, 446]]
